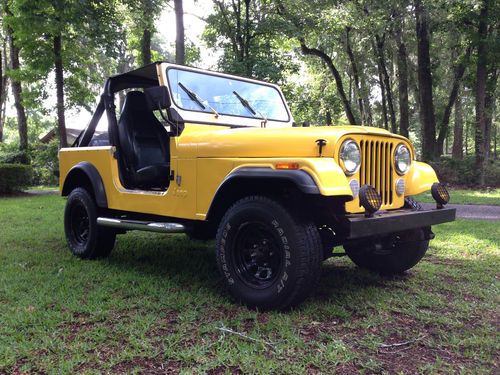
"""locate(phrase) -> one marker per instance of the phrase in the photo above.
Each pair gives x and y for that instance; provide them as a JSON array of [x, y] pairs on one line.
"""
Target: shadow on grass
[[190, 265]]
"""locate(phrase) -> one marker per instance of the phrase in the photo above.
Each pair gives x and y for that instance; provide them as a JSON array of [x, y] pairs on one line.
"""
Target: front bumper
[[359, 226]]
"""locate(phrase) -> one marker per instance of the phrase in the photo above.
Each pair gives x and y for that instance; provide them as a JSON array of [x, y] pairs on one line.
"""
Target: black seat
[[144, 145]]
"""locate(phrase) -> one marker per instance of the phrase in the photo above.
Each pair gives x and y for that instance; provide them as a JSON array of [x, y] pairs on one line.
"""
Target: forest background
[[427, 70]]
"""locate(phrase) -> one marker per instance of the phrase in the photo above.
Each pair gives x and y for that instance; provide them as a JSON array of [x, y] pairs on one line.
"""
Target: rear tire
[[399, 251], [85, 238], [269, 258]]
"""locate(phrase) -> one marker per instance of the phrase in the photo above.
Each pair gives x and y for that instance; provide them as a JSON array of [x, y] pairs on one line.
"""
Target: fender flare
[[299, 178], [91, 172]]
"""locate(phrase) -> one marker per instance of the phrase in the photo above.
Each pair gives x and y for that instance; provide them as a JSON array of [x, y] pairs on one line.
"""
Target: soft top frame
[[144, 77]]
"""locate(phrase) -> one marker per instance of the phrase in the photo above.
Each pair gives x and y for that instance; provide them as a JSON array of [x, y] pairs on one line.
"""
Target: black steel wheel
[[257, 255], [269, 256], [392, 254], [85, 238]]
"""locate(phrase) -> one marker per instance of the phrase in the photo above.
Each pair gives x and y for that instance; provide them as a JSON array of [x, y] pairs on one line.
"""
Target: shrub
[[463, 172], [44, 161], [14, 177], [14, 157]]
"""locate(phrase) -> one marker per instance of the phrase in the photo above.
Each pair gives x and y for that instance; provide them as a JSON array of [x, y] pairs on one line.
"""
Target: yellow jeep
[[218, 156]]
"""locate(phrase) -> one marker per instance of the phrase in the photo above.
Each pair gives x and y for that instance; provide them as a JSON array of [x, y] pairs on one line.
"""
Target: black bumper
[[359, 226]]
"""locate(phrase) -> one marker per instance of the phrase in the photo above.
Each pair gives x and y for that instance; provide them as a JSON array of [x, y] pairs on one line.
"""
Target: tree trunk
[[402, 62], [489, 108], [17, 91], [354, 69], [59, 80], [180, 50], [458, 130], [336, 75], [3, 88], [386, 81], [428, 118], [458, 75], [146, 46], [248, 62], [481, 76], [383, 99]]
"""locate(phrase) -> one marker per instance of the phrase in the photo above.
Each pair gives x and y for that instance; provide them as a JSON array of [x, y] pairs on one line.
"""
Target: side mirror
[[157, 98], [305, 124]]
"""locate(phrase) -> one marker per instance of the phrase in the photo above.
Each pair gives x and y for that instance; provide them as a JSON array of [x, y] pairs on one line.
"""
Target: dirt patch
[[219, 370], [147, 366], [166, 325]]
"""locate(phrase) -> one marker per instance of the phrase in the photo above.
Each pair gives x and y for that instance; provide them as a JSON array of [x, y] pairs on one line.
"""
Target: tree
[[335, 73], [3, 83], [180, 50], [481, 82], [458, 130], [64, 37], [427, 115], [402, 63], [17, 91], [458, 73]]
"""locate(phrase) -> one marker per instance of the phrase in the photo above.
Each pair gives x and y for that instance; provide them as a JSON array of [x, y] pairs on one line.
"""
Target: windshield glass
[[208, 93]]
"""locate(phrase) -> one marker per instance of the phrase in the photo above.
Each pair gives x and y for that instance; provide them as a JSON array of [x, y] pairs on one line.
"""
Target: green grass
[[457, 196], [157, 305]]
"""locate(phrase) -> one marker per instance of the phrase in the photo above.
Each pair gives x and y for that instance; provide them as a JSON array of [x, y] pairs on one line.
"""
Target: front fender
[[420, 178], [328, 176]]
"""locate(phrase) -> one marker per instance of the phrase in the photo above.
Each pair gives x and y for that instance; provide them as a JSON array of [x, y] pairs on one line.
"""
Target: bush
[[14, 177], [463, 172], [44, 161], [14, 157]]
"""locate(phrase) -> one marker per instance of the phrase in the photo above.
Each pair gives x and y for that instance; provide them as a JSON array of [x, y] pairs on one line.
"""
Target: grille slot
[[376, 168]]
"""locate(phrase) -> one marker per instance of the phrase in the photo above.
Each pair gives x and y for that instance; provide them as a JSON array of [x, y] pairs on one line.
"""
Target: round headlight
[[350, 156], [402, 159]]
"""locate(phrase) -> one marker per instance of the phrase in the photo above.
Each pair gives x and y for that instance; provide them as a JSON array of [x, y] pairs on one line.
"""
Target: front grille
[[376, 168]]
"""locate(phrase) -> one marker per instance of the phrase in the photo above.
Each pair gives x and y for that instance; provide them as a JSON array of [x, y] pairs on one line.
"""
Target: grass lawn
[[157, 305], [458, 196]]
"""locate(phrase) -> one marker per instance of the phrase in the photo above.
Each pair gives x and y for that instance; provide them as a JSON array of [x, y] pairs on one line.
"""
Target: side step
[[141, 225]]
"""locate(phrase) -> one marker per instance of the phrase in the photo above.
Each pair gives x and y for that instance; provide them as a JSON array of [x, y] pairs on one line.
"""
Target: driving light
[[402, 159], [440, 194], [350, 156], [400, 186], [370, 199]]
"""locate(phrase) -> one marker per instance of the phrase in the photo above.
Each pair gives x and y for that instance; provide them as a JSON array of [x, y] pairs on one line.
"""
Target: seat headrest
[[135, 101]]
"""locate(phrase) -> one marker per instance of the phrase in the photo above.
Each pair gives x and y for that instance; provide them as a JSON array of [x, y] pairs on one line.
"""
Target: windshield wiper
[[252, 110], [194, 97]]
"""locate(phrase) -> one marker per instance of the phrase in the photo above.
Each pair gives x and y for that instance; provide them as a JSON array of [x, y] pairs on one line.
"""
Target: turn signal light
[[440, 194], [287, 166], [370, 199]]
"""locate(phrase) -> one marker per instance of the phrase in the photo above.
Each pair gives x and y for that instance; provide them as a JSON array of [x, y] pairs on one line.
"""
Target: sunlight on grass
[[489, 197], [157, 303]]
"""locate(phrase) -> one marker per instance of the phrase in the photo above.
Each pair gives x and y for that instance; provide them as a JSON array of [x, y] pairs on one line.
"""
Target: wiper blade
[[252, 110], [194, 97]]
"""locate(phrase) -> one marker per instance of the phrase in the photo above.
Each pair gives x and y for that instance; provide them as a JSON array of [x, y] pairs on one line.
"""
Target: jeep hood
[[214, 141]]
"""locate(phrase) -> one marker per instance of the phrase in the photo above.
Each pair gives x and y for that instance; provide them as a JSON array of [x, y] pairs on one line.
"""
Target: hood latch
[[321, 143]]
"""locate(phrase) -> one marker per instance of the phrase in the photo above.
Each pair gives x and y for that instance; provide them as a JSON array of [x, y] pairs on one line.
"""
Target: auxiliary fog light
[[440, 194], [370, 199], [400, 186], [354, 185]]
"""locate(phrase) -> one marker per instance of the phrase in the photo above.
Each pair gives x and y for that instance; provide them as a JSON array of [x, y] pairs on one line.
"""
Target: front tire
[[269, 258], [85, 238], [394, 254]]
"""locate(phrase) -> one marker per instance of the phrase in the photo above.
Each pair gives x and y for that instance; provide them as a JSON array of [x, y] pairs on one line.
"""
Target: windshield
[[208, 93]]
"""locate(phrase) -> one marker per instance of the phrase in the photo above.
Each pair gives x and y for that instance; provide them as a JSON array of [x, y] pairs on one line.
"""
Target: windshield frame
[[204, 117]]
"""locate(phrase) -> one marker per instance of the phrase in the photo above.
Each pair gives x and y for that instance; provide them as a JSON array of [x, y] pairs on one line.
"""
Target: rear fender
[[83, 174]]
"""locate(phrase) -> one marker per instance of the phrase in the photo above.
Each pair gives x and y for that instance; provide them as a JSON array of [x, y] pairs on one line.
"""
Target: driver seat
[[144, 145]]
